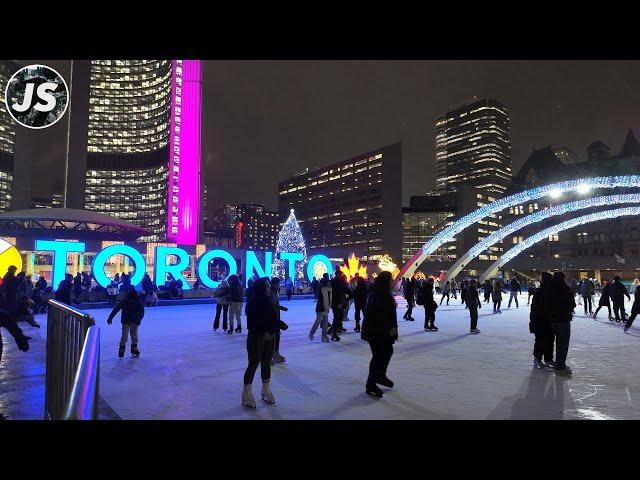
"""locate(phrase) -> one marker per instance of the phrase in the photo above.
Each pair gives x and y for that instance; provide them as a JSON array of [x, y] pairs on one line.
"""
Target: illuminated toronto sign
[[163, 264]]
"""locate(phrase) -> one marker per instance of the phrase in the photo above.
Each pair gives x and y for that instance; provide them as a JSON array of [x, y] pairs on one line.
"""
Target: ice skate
[[335, 338], [135, 353], [565, 372], [267, 395], [325, 338], [474, 331], [626, 329], [385, 382], [229, 332], [311, 337], [434, 328], [373, 390], [278, 358], [247, 397], [551, 365], [595, 315], [121, 351], [538, 364], [357, 329], [238, 330]]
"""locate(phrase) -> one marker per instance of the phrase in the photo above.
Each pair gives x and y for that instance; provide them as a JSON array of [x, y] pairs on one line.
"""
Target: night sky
[[265, 119]]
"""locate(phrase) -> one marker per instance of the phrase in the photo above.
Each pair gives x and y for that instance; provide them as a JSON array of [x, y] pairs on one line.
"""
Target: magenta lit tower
[[134, 144]]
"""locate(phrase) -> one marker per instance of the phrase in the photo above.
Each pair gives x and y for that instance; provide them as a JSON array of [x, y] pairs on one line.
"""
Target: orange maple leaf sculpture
[[353, 266]]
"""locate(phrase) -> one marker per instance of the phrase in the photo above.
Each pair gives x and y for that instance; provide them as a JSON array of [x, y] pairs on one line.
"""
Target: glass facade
[[418, 227], [128, 141], [473, 148], [7, 139], [349, 203]]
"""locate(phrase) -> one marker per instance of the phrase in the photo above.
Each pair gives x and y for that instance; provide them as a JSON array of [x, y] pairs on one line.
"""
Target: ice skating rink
[[188, 372]]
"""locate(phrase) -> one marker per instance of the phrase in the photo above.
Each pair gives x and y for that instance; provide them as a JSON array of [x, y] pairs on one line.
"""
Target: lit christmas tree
[[290, 240]]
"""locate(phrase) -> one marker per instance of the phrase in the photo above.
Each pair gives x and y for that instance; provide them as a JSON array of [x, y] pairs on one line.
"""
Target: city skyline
[[252, 112]]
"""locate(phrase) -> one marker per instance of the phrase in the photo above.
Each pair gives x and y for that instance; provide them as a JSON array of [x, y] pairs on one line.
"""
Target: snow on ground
[[186, 371]]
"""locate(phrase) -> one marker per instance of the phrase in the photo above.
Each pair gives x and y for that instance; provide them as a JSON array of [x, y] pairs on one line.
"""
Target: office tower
[[353, 204], [473, 148], [134, 144], [256, 227], [7, 140]]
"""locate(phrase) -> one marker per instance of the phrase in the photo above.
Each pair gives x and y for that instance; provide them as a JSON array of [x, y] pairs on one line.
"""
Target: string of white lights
[[541, 235], [554, 190], [540, 215]]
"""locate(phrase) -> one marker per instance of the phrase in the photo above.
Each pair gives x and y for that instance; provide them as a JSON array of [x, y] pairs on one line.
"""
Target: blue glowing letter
[[104, 255], [254, 265], [174, 270], [292, 258], [315, 259], [60, 250], [203, 266]]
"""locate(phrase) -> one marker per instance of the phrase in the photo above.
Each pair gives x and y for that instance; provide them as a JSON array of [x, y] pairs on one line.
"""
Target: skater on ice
[[380, 329], [409, 294], [262, 325], [618, 292], [635, 309], [132, 315], [559, 303], [605, 300], [275, 299], [496, 295], [540, 326], [425, 298], [472, 298], [323, 307]]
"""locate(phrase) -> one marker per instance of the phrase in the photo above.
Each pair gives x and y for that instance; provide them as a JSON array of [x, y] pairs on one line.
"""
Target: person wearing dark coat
[[540, 326], [380, 329], [235, 308], [323, 307], [472, 299], [425, 292], [359, 295], [77, 287], [41, 284], [488, 290], [7, 321], [587, 290], [132, 315], [464, 285], [496, 295], [618, 292], [635, 309], [9, 289], [65, 287], [262, 324], [409, 293], [276, 357], [339, 298], [559, 304], [126, 282], [605, 297], [516, 290]]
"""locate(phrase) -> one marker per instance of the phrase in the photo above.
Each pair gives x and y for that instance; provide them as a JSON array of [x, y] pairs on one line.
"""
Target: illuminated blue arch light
[[555, 189], [104, 255], [538, 216], [543, 234]]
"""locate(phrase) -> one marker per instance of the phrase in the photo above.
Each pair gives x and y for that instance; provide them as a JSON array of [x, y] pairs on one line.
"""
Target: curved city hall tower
[[134, 144]]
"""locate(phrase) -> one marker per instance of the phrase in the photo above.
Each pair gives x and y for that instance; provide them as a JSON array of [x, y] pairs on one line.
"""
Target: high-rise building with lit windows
[[354, 204], [7, 140], [473, 148], [134, 145]]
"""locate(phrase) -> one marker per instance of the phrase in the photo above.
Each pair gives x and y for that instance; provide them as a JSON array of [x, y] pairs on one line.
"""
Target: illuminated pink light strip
[[189, 178]]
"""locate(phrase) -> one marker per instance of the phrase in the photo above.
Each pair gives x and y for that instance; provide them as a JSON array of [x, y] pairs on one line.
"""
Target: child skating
[[132, 314]]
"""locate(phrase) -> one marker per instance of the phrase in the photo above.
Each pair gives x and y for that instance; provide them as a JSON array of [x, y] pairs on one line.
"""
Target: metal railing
[[72, 367]]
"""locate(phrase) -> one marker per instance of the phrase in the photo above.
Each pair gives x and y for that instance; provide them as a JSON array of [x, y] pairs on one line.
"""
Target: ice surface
[[186, 371]]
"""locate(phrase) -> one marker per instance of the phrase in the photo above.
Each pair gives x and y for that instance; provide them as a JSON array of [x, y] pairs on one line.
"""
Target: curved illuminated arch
[[540, 215], [541, 235], [452, 230]]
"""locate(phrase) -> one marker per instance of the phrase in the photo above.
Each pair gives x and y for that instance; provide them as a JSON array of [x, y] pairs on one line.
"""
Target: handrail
[[83, 402], [69, 348]]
